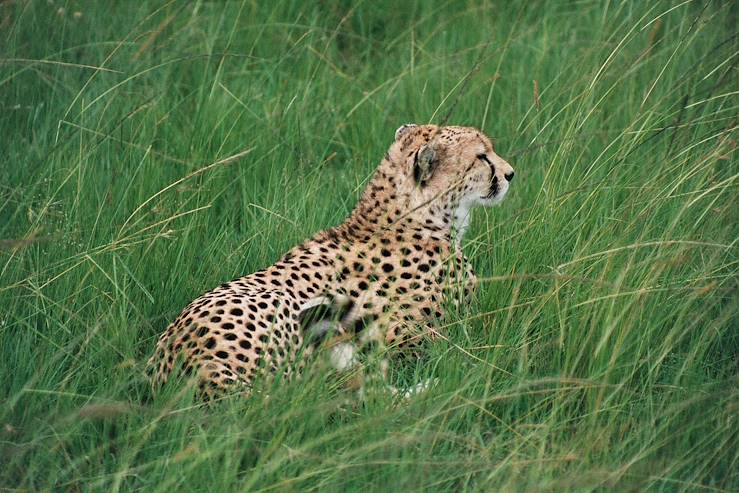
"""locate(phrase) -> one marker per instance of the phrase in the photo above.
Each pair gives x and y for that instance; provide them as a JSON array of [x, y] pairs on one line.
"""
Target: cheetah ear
[[424, 164], [403, 129]]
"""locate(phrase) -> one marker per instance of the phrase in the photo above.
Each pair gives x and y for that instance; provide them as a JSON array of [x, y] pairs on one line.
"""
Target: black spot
[[210, 343], [221, 354], [387, 267], [245, 344]]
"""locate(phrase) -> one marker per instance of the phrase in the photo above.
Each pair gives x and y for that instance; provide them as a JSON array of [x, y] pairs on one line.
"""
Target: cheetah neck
[[386, 207], [461, 223]]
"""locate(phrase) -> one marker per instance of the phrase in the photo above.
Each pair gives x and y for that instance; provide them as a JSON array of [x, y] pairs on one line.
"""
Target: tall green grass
[[152, 150]]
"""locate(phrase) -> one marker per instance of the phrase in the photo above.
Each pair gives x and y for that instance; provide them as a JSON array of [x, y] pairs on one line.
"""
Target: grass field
[[151, 150]]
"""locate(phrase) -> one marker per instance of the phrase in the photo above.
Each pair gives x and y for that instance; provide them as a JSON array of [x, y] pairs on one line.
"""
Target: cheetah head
[[455, 168]]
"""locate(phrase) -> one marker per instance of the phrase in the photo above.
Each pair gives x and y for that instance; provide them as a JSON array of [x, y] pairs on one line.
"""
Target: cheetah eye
[[483, 157]]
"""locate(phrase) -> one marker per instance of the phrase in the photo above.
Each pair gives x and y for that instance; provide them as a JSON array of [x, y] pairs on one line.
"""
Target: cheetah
[[384, 274]]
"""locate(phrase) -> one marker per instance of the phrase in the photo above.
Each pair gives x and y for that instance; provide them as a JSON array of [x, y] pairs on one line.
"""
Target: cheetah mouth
[[494, 188], [496, 192]]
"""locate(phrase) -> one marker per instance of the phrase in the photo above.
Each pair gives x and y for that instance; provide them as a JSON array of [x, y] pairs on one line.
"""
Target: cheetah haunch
[[386, 269]]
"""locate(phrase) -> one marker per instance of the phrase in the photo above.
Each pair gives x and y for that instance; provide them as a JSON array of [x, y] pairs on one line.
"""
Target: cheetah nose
[[509, 176]]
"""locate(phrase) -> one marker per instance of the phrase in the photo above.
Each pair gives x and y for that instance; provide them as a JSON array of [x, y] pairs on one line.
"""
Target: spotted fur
[[382, 275]]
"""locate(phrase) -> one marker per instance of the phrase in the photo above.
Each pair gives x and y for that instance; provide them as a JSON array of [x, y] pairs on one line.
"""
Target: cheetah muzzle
[[381, 276]]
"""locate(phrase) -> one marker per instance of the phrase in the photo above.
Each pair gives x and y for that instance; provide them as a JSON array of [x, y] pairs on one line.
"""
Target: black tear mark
[[493, 187]]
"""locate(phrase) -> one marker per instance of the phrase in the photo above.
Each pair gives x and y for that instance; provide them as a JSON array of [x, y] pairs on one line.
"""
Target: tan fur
[[386, 270]]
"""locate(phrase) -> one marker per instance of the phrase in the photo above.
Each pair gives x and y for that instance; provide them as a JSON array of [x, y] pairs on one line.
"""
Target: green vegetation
[[151, 150]]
